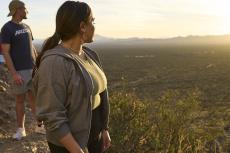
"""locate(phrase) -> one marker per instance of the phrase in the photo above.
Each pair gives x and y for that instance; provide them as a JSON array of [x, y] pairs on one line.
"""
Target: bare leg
[[20, 110], [40, 127], [32, 105], [31, 102]]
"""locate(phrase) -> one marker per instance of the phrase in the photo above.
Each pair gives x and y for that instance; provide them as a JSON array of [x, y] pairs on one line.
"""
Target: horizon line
[[162, 38]]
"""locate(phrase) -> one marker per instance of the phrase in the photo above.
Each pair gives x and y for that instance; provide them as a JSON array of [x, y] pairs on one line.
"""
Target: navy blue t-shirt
[[19, 37]]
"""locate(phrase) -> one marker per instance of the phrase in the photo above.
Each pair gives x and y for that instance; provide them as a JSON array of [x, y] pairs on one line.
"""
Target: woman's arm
[[105, 109]]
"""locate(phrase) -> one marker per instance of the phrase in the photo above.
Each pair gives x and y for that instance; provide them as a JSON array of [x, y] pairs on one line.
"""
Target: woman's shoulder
[[56, 58], [57, 54]]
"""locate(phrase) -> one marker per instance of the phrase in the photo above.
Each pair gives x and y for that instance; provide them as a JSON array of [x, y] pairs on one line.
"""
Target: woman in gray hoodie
[[70, 85]]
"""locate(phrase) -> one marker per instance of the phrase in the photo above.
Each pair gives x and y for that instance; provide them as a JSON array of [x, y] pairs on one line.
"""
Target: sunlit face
[[90, 29]]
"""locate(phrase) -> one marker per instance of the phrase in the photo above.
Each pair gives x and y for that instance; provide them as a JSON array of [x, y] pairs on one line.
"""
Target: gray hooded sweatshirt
[[63, 94]]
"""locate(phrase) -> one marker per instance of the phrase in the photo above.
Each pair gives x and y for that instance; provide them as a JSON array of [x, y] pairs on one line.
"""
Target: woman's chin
[[89, 41]]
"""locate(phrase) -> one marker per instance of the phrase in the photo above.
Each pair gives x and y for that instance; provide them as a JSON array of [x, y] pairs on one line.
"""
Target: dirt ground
[[32, 143]]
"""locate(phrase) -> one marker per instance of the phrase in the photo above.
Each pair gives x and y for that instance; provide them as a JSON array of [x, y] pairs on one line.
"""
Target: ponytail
[[68, 21], [50, 43]]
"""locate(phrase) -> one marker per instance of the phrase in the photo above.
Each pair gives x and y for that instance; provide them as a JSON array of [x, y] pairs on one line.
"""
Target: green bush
[[129, 123], [170, 125]]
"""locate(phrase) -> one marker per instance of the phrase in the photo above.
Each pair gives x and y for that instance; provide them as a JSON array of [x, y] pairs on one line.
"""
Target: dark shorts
[[57, 149], [95, 137]]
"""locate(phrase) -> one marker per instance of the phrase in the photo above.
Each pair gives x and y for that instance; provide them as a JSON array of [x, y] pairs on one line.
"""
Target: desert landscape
[[147, 70]]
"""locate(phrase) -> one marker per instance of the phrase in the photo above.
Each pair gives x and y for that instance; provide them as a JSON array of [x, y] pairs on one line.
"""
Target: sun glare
[[224, 12]]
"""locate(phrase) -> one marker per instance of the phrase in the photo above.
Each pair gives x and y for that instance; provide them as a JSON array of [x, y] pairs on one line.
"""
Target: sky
[[135, 18]]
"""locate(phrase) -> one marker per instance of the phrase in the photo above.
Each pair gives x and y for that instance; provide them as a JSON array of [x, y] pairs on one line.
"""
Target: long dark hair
[[68, 19]]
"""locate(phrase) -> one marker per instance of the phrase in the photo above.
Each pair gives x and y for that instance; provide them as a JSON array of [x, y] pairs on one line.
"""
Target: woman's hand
[[70, 144], [106, 141]]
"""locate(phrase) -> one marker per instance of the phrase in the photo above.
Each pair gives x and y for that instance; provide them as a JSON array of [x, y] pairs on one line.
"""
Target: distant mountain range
[[189, 40], [212, 39]]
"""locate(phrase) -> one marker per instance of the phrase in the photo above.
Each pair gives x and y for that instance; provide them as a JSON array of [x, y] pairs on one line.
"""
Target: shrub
[[170, 125]]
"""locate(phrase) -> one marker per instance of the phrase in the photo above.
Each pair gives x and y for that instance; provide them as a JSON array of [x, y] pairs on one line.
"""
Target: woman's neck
[[74, 45]]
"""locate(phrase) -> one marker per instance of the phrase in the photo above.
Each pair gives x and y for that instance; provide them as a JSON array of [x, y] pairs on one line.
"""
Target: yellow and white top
[[98, 78]]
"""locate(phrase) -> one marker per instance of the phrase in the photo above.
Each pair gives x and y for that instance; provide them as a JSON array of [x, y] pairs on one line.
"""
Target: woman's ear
[[83, 27]]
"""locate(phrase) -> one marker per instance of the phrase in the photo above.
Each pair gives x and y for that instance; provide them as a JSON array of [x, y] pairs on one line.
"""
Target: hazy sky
[[136, 18]]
